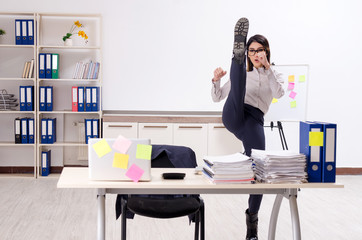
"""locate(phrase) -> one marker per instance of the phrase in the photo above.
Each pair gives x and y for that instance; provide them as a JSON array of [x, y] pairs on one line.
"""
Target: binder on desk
[[51, 131], [88, 99], [17, 130], [329, 153], [311, 144], [42, 98], [24, 130], [95, 128], [29, 98], [41, 65], [48, 65], [49, 98], [31, 130], [18, 32], [22, 96], [95, 99], [80, 99], [75, 99], [55, 66], [30, 24], [44, 130], [45, 163], [24, 32]]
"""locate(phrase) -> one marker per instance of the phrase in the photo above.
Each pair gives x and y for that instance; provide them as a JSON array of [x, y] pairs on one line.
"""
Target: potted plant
[[67, 38], [2, 32]]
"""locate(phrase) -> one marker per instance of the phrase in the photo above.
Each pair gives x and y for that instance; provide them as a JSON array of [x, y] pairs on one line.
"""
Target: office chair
[[165, 206]]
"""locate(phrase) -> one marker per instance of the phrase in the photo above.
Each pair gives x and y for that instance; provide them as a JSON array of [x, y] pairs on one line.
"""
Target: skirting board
[[30, 170]]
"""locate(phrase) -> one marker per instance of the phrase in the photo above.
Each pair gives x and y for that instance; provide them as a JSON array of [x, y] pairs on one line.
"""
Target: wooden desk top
[[193, 183]]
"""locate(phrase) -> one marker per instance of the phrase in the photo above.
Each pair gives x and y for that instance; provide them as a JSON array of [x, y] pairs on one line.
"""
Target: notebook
[[119, 159]]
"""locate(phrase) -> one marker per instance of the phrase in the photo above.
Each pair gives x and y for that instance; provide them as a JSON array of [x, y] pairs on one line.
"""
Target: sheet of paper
[[122, 144], [134, 173], [102, 148], [120, 160], [144, 151], [316, 139]]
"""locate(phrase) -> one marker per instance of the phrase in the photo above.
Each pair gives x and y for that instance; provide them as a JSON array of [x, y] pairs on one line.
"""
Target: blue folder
[[80, 99], [88, 129], [29, 98], [24, 32], [45, 163], [30, 24], [95, 99], [48, 65], [314, 154], [329, 153], [49, 98], [42, 98], [95, 128], [18, 32], [31, 130], [24, 130], [44, 131], [51, 131], [42, 65], [88, 99], [22, 97]]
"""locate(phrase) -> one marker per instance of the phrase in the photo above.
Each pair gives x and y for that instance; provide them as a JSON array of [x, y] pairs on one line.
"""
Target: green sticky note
[[102, 148], [120, 160], [144, 151], [293, 104], [302, 78], [316, 139]]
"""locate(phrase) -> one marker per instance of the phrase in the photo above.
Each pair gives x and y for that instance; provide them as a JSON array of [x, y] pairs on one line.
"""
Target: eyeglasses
[[252, 51]]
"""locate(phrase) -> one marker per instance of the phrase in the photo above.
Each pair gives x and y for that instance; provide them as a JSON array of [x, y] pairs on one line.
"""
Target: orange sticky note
[[316, 139], [120, 160], [291, 78]]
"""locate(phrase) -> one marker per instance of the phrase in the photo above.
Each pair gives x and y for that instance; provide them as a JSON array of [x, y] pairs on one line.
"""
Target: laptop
[[119, 159]]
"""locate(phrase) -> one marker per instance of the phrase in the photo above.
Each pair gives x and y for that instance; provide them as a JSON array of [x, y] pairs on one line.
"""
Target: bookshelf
[[70, 148], [15, 159]]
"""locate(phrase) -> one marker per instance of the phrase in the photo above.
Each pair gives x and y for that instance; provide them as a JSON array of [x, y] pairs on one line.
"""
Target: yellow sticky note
[[144, 151], [274, 100], [316, 139], [291, 78], [120, 160], [102, 148], [302, 78], [293, 104]]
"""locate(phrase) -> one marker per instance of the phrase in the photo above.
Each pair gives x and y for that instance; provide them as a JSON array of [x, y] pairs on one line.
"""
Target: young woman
[[249, 93]]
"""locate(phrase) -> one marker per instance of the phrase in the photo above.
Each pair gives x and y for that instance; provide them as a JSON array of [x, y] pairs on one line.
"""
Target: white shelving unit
[[69, 148], [49, 29], [15, 158]]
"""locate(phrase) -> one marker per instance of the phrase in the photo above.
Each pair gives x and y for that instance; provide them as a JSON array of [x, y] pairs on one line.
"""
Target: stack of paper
[[279, 166], [7, 101], [234, 168]]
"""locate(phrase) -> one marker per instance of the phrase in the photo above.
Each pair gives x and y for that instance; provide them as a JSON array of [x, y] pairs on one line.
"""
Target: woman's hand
[[263, 60], [218, 74]]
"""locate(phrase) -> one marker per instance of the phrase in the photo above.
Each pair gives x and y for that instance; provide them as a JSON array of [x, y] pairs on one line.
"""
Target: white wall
[[324, 34]]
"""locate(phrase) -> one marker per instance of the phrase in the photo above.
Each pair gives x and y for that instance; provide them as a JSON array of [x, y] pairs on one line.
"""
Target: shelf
[[17, 79], [15, 46], [70, 47], [67, 112], [16, 112], [67, 80], [5, 144], [17, 175], [60, 144]]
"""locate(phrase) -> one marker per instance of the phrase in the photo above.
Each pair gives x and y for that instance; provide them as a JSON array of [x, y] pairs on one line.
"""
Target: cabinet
[[70, 147], [221, 142], [15, 158], [114, 129]]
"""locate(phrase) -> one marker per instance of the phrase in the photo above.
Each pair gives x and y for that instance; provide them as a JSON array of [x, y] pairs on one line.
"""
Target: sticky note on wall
[[291, 78], [291, 86], [302, 78], [316, 139]]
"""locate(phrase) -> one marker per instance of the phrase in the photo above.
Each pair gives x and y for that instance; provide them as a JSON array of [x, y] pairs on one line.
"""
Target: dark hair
[[263, 41]]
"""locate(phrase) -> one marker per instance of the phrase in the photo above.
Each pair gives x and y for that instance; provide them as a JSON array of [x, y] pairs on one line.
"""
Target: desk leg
[[101, 197], [274, 216], [295, 217]]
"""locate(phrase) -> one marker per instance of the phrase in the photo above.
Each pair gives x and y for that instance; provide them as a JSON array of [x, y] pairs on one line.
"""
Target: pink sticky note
[[292, 94], [134, 173], [291, 86], [121, 144]]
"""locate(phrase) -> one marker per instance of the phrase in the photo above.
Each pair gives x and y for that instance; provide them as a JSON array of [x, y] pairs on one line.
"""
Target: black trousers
[[244, 121]]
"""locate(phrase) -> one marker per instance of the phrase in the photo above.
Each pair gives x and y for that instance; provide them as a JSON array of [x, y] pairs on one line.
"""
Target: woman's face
[[254, 51]]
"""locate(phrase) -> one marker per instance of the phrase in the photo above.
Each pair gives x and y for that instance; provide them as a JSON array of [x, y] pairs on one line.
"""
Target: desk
[[192, 184]]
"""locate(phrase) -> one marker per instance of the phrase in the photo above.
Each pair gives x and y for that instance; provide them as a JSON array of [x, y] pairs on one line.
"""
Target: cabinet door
[[193, 136], [159, 133], [221, 141], [114, 129]]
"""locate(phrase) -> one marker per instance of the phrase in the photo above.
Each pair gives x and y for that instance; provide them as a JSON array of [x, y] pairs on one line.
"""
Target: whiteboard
[[293, 105]]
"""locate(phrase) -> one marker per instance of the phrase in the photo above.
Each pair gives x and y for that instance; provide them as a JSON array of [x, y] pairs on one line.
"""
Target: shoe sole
[[240, 34]]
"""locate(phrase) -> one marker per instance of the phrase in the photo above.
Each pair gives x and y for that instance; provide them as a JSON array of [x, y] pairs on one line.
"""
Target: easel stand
[[281, 133]]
